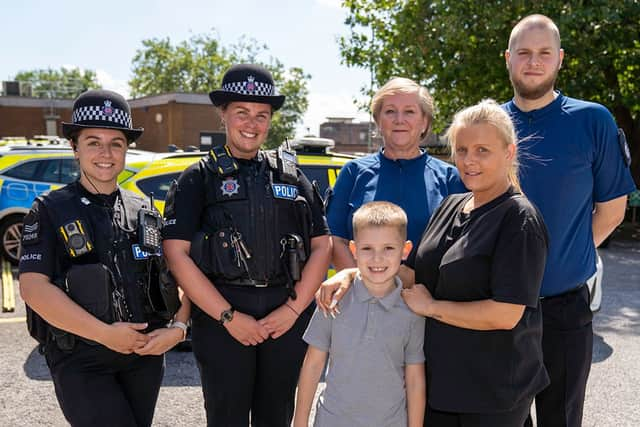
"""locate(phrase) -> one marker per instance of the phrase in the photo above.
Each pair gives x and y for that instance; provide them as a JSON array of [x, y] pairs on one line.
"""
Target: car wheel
[[11, 232]]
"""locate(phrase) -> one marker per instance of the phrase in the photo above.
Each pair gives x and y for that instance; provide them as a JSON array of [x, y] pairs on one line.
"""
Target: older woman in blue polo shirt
[[401, 172]]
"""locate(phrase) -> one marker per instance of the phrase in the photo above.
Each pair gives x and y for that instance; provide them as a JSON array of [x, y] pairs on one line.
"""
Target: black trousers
[[99, 387], [567, 344], [512, 418], [237, 379]]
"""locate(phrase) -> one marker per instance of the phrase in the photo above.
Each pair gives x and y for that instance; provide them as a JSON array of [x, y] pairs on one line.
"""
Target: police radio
[[287, 164], [149, 225], [224, 162], [76, 239]]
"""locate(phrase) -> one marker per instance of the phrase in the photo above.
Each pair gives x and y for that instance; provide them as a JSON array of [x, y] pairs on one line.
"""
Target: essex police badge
[[229, 187], [107, 110], [250, 85]]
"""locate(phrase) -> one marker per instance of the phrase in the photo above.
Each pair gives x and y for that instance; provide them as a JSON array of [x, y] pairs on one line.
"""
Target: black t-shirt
[[184, 208], [497, 251]]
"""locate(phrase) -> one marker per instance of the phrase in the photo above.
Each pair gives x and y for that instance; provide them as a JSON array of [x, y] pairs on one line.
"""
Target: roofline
[[31, 102], [146, 101], [165, 98]]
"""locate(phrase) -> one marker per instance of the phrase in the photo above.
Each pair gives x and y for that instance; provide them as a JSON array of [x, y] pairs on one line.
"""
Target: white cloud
[[323, 105], [107, 81]]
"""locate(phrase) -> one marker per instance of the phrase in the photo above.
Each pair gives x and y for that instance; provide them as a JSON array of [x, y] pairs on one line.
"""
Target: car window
[[69, 171], [158, 185], [26, 171], [325, 176], [49, 171]]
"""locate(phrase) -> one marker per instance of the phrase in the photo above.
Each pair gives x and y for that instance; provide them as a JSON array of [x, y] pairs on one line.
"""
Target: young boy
[[376, 361]]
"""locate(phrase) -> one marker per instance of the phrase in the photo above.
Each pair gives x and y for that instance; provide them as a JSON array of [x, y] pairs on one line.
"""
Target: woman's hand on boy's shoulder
[[333, 290], [419, 299]]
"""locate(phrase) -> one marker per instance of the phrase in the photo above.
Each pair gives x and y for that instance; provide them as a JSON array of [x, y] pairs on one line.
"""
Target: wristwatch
[[226, 316]]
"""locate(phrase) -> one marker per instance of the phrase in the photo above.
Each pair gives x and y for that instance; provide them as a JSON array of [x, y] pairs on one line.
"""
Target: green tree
[[198, 64], [455, 48], [62, 83]]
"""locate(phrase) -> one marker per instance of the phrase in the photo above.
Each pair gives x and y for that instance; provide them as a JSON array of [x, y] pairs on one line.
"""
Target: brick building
[[26, 116], [352, 137], [182, 119]]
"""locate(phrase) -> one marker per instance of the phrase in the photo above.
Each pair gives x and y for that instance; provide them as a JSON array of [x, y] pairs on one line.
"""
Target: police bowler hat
[[101, 109], [247, 83]]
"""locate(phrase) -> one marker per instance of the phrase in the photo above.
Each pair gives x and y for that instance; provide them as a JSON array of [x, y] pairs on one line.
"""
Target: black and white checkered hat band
[[97, 113], [243, 88]]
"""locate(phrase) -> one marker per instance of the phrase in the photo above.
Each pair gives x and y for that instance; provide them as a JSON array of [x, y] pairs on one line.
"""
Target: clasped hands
[[127, 338]]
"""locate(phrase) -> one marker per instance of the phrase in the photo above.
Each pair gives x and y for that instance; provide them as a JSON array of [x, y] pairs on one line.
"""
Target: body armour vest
[[112, 233], [247, 218]]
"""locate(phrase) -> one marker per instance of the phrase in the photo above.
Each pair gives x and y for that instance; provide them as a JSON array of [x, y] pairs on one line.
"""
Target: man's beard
[[536, 92]]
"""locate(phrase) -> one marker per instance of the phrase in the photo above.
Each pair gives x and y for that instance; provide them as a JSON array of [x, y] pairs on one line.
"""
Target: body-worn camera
[[224, 162], [76, 239]]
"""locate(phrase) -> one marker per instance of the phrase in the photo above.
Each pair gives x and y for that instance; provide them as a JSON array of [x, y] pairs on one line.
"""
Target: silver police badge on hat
[[250, 85], [229, 187], [107, 110]]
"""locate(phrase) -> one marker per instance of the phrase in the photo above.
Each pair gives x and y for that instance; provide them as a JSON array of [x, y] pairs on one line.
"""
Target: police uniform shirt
[[186, 201], [42, 250], [497, 252]]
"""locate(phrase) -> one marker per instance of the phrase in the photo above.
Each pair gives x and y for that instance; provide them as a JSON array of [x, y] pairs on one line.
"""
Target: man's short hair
[[534, 21], [380, 214]]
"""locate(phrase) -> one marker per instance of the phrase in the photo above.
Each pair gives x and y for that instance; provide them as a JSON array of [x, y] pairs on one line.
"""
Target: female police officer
[[88, 271], [239, 226]]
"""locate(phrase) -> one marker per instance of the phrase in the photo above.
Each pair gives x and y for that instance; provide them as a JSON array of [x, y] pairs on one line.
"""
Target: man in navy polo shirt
[[576, 170]]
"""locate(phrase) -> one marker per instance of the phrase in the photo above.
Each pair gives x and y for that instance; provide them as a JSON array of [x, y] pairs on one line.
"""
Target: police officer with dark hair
[[90, 272], [247, 240]]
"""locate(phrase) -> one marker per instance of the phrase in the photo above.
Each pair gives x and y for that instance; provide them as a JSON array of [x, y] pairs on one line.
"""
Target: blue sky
[[103, 36]]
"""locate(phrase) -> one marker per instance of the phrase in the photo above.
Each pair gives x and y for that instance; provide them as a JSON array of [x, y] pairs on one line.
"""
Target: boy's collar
[[388, 301]]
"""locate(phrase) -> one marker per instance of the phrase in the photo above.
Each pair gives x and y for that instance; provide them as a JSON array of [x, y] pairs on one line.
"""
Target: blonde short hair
[[380, 214], [534, 21], [399, 85], [490, 113]]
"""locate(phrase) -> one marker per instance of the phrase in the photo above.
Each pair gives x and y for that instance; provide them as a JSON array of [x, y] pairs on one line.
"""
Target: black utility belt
[[251, 283], [565, 293]]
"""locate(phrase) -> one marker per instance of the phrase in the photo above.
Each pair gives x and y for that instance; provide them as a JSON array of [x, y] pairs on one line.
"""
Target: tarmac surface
[[27, 397]]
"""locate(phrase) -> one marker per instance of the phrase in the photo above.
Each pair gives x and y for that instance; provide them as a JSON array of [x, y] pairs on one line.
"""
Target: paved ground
[[27, 398]]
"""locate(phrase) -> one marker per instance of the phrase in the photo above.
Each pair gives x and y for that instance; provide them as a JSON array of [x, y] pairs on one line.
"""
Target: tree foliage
[[66, 83], [198, 64], [455, 48]]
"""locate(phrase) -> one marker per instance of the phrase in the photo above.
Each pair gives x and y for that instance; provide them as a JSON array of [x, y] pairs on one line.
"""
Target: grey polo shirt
[[369, 344]]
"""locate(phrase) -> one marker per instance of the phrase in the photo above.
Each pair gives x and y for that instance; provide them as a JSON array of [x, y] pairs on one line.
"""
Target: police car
[[315, 161], [27, 171]]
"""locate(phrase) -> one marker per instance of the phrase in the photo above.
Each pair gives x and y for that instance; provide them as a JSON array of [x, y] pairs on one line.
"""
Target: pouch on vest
[[216, 254], [38, 327], [161, 290], [200, 252], [91, 287]]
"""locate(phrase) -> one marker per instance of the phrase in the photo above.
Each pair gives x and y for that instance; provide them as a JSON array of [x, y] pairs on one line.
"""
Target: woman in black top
[[84, 269], [481, 261]]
